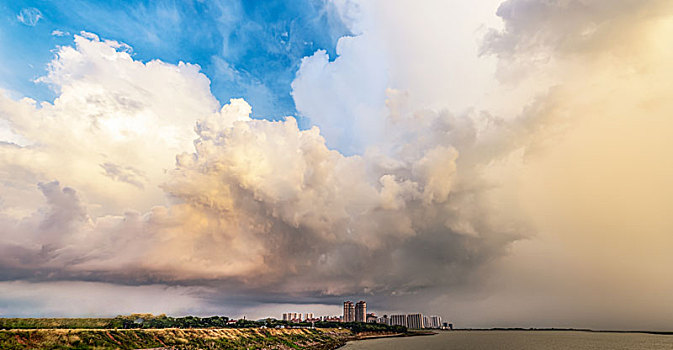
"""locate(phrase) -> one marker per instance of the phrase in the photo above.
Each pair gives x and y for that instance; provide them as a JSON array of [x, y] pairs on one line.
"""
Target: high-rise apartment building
[[398, 320], [435, 322], [349, 311], [361, 311], [292, 317], [415, 321]]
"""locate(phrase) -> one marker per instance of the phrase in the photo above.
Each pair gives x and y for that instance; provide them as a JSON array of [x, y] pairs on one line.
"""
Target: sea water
[[519, 340]]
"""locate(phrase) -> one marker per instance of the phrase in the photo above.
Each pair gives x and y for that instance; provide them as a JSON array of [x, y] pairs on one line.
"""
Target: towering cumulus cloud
[[282, 208], [499, 168], [257, 206]]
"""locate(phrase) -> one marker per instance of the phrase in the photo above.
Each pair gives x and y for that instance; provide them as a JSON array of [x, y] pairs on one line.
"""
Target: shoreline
[[395, 335]]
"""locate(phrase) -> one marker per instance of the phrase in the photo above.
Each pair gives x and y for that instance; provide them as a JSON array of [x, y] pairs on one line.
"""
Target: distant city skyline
[[357, 312]]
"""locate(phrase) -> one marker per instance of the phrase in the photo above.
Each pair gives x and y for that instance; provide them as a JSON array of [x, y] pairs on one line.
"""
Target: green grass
[[36, 323]]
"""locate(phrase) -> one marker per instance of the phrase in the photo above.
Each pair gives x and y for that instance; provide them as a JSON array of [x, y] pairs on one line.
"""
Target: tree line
[[145, 321]]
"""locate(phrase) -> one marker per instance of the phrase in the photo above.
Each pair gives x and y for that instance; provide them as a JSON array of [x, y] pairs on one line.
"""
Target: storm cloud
[[258, 205]]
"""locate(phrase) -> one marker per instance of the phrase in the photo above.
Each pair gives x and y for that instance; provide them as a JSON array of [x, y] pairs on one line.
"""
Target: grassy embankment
[[205, 338]]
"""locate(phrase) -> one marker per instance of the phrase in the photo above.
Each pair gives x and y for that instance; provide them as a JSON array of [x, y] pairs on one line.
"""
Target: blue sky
[[248, 49]]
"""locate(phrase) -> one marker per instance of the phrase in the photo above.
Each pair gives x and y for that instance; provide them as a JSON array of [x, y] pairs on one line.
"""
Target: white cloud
[[29, 16], [110, 110], [346, 97], [429, 50], [57, 32]]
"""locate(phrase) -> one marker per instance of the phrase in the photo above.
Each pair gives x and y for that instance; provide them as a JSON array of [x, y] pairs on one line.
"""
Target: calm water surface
[[515, 340]]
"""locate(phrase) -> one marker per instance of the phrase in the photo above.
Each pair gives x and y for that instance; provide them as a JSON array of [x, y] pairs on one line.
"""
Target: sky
[[500, 163]]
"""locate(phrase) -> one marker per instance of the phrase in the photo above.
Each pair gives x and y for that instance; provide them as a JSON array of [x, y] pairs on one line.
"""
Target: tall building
[[361, 311], [292, 317], [398, 320], [415, 321], [349, 311], [435, 322], [309, 316]]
